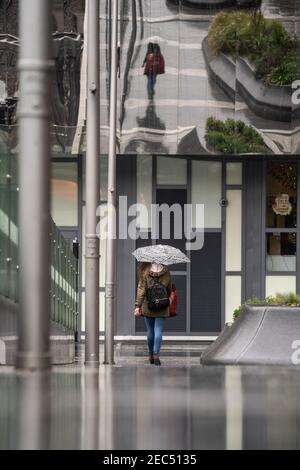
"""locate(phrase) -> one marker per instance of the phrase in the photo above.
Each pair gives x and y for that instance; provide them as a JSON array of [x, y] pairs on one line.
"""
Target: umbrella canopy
[[162, 254]]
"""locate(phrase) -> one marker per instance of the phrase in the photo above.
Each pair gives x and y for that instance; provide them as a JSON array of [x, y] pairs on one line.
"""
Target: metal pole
[[92, 189], [111, 198], [34, 201]]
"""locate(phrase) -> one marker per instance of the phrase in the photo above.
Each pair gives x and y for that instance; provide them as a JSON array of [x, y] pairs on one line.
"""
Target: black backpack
[[157, 296]]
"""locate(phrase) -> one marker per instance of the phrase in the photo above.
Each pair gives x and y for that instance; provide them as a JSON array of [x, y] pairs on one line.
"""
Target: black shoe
[[151, 359], [157, 360]]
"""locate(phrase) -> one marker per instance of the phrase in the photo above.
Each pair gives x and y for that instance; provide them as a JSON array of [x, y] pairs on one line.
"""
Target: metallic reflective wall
[[184, 110], [247, 77], [67, 21]]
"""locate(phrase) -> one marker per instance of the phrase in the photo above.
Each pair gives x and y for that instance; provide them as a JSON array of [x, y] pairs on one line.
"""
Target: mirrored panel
[[281, 251], [208, 77]]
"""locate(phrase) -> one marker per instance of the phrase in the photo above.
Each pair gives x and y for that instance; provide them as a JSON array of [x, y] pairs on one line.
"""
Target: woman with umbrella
[[154, 292]]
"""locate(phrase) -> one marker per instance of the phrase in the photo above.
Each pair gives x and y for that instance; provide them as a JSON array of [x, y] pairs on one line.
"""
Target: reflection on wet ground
[[180, 405]]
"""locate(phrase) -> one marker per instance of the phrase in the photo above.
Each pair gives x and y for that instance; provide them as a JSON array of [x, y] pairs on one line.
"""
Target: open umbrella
[[161, 254]]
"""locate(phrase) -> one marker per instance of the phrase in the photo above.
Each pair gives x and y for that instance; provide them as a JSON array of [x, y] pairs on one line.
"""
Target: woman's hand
[[137, 312]]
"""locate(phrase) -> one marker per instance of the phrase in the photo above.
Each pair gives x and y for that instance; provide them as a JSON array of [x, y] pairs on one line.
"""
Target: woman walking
[[154, 64], [152, 302]]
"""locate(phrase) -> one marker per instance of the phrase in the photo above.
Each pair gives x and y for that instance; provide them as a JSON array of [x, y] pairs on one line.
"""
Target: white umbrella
[[161, 254]]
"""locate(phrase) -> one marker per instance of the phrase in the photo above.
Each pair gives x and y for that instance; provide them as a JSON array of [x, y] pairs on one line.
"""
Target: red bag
[[155, 64], [173, 301], [158, 63]]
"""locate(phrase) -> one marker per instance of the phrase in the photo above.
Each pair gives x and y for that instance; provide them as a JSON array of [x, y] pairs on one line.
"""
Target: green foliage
[[273, 51], [284, 300], [233, 137]]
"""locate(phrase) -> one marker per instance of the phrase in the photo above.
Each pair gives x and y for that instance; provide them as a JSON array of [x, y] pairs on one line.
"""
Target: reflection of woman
[[154, 65]]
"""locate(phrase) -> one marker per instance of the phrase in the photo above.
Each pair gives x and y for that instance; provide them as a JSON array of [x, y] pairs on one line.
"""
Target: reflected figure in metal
[[154, 64], [151, 137]]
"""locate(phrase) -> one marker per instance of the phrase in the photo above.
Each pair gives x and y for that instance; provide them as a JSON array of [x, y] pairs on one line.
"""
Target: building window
[[281, 215], [64, 186], [144, 190], [282, 195], [281, 251], [171, 171], [207, 190]]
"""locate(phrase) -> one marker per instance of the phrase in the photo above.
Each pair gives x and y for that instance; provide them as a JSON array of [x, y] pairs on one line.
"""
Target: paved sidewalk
[[131, 407]]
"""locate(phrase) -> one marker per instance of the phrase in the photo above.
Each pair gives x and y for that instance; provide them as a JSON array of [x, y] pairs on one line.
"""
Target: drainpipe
[[92, 189], [35, 66], [111, 198]]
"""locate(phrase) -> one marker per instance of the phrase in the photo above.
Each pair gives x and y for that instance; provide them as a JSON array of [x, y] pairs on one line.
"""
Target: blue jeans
[[151, 82], [155, 328]]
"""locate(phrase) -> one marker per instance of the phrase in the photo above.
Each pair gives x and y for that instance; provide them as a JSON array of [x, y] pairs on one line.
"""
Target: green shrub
[[285, 300], [233, 137], [272, 50]]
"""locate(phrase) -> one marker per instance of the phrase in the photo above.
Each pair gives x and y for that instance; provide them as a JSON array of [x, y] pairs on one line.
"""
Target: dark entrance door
[[177, 324], [199, 284]]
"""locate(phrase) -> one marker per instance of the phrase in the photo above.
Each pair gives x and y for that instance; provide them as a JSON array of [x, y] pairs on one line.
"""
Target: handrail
[[63, 270], [64, 280]]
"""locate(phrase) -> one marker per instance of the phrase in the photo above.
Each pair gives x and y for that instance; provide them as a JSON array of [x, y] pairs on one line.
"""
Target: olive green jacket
[[145, 282]]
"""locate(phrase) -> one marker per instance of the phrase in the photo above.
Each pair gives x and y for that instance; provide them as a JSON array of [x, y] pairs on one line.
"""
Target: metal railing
[[63, 265], [64, 281], [8, 223]]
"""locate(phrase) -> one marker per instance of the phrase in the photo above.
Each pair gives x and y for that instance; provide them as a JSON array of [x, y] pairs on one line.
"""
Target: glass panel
[[4, 219], [171, 170], [234, 230], [101, 311], [280, 285], [64, 194], [207, 190], [13, 230], [281, 251], [282, 195], [144, 188], [234, 173], [83, 247], [233, 295], [102, 262], [103, 178]]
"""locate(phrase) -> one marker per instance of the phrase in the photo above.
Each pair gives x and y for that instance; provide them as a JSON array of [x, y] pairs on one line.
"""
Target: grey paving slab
[[133, 406]]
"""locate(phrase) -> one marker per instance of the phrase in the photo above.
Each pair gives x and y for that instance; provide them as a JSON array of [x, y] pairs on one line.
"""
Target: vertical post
[[34, 202], [111, 198], [92, 189]]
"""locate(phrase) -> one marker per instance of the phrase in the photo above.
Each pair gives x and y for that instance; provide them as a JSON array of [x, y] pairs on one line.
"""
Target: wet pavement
[[180, 405]]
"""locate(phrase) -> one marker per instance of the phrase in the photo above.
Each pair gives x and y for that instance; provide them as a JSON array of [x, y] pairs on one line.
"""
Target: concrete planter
[[62, 341], [269, 102], [262, 335], [217, 4]]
